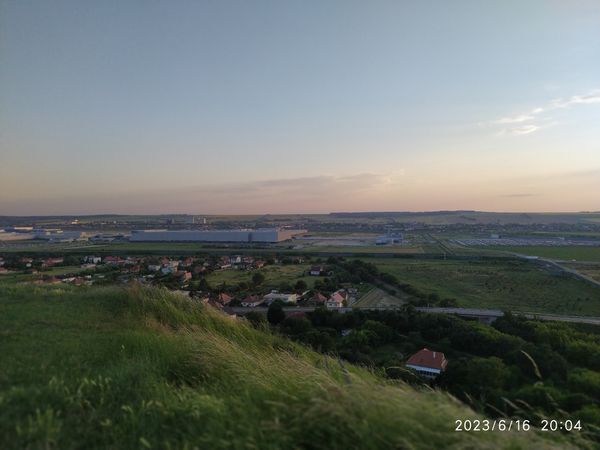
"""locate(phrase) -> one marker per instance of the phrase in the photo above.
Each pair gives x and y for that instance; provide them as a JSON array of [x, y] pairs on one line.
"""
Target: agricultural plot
[[377, 298], [511, 285], [395, 249], [578, 253], [274, 276], [588, 269]]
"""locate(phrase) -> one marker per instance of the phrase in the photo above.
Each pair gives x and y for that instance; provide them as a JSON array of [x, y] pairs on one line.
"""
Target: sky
[[252, 107]]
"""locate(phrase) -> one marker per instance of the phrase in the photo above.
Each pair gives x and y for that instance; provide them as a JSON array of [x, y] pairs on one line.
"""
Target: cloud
[[516, 119], [538, 114], [520, 195], [303, 194], [527, 129], [589, 98], [519, 131]]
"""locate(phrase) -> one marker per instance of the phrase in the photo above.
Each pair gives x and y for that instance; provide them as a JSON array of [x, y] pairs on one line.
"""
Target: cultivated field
[[391, 249], [379, 298], [513, 285], [558, 253], [589, 269], [274, 276]]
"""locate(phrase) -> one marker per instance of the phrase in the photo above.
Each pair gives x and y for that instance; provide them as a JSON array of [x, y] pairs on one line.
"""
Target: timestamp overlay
[[483, 425]]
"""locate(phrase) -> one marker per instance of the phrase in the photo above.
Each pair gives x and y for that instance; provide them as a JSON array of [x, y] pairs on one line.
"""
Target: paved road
[[482, 314]]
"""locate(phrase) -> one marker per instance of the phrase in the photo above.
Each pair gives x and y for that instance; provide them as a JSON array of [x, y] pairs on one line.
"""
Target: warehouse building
[[258, 235]]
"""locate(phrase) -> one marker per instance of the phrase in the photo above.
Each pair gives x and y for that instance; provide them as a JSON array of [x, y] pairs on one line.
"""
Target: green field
[[357, 249], [274, 275], [513, 285], [589, 269], [578, 253], [144, 369], [379, 298], [61, 270]]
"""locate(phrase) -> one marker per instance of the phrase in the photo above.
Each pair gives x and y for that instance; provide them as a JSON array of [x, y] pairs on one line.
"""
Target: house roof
[[253, 299], [338, 296], [428, 358], [224, 298], [318, 297], [278, 295]]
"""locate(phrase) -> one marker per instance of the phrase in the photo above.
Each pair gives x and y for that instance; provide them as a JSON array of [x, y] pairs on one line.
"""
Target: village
[[188, 276]]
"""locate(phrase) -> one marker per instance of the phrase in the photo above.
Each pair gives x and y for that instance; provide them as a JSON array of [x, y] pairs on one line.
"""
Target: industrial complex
[[245, 235]]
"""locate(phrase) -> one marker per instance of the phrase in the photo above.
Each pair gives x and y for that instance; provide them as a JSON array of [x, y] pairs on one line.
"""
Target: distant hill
[[144, 368], [466, 216], [427, 217]]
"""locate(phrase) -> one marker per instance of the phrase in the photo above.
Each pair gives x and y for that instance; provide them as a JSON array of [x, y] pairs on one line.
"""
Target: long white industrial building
[[258, 235]]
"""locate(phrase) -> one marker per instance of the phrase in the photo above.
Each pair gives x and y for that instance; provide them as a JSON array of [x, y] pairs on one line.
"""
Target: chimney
[[433, 355]]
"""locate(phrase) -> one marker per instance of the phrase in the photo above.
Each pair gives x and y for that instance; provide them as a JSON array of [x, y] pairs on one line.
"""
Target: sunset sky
[[298, 106]]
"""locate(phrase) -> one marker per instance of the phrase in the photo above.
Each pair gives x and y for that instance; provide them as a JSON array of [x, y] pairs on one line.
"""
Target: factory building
[[258, 235], [57, 235]]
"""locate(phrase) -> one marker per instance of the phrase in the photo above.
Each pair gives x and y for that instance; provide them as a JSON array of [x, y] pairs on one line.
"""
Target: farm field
[[62, 270], [274, 276], [589, 269], [512, 285], [394, 249], [558, 253], [378, 298]]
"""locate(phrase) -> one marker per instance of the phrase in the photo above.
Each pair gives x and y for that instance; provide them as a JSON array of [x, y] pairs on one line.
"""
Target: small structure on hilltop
[[429, 364]]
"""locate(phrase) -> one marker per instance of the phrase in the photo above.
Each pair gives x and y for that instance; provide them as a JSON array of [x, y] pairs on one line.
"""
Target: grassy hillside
[[115, 368]]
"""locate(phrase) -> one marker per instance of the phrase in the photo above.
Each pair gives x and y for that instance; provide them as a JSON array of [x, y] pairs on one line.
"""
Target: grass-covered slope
[[141, 368]]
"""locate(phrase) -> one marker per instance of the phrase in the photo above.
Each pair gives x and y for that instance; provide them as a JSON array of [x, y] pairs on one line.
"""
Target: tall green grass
[[144, 368]]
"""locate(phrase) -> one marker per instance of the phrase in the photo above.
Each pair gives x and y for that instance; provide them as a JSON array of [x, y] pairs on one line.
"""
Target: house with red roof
[[252, 301], [428, 363], [112, 260], [337, 299], [224, 299], [183, 276], [317, 299]]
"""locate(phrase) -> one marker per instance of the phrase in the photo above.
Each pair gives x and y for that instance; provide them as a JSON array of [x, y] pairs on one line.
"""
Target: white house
[[315, 271], [285, 298]]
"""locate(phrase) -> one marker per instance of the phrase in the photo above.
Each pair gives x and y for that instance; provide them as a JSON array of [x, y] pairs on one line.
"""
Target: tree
[[300, 285], [258, 279], [449, 303], [295, 325], [475, 375], [285, 287], [203, 285], [275, 313]]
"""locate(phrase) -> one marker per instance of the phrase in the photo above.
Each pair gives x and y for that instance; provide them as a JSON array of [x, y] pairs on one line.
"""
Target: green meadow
[[499, 284], [579, 253]]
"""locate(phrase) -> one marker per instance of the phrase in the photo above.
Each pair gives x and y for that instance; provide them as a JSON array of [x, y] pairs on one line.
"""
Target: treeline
[[517, 367]]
